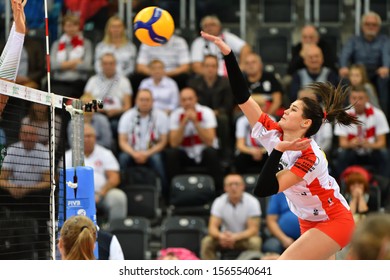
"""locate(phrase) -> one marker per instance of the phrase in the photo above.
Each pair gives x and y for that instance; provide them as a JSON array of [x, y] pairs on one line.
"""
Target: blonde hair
[[363, 72], [78, 237], [107, 36], [371, 240]]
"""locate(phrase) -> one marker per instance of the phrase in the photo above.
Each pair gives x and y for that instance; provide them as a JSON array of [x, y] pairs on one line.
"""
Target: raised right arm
[[237, 82]]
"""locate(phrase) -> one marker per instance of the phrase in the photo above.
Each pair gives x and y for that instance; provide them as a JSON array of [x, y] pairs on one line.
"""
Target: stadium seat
[[142, 201], [191, 194], [133, 234], [281, 12], [274, 46], [332, 36], [183, 232], [330, 13], [382, 8], [140, 175]]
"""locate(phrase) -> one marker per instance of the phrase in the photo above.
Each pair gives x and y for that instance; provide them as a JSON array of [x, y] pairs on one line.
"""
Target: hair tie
[[325, 114], [83, 227]]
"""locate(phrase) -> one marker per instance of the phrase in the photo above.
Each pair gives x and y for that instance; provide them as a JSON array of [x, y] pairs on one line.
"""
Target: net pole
[[52, 140]]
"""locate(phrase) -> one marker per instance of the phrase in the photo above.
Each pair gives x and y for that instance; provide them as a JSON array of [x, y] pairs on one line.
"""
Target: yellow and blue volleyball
[[153, 26]]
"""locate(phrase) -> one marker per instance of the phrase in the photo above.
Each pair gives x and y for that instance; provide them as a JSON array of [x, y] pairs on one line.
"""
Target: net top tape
[[30, 94]]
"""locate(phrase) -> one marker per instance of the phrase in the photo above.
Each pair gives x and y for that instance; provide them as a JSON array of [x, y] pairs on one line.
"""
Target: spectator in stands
[[314, 71], [358, 195], [214, 92], [324, 136], [112, 88], [77, 239], [89, 11], [250, 154], [282, 224], [234, 222], [175, 56], [164, 89], [108, 196], [371, 239], [358, 76], [201, 47], [263, 84], [310, 36], [363, 144], [371, 49], [115, 41], [192, 138], [39, 117], [26, 167], [99, 122], [71, 59], [143, 135]]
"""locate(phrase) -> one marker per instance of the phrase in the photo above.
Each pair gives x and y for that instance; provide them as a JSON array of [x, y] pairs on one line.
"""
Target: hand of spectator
[[21, 79], [343, 72], [357, 192], [225, 49], [257, 153], [18, 192], [383, 72], [19, 16], [139, 157], [192, 115], [287, 241]]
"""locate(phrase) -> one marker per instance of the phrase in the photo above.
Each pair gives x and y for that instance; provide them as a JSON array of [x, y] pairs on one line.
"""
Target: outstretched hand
[[225, 49], [19, 16], [295, 145]]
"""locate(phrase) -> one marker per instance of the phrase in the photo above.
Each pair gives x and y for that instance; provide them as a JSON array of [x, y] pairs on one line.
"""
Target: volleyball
[[153, 26]]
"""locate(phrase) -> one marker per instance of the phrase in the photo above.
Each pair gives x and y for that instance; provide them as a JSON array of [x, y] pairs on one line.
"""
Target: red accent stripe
[[190, 141], [47, 26], [370, 132]]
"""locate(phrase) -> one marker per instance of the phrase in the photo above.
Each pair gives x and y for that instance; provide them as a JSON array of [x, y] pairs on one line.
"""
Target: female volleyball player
[[77, 239], [10, 57], [297, 166]]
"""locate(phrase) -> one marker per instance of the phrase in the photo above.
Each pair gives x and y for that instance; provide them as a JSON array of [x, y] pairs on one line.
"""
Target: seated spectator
[[115, 41], [282, 224], [164, 89], [371, 49], [71, 59], [314, 71], [108, 196], [39, 117], [250, 154], [371, 239], [89, 11], [192, 138], [263, 84], [112, 88], [358, 76], [174, 54], [234, 223], [201, 47], [16, 177], [310, 36], [98, 121], [324, 136], [143, 135], [77, 239], [357, 193], [214, 92], [363, 144], [25, 180]]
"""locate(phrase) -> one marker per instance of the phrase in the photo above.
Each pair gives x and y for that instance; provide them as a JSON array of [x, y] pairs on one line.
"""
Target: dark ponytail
[[333, 110]]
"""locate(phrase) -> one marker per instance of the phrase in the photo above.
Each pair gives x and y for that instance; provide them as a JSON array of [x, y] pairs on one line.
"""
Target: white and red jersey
[[317, 197]]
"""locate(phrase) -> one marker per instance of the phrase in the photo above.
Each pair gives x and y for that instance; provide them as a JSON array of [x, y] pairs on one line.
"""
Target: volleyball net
[[32, 143]]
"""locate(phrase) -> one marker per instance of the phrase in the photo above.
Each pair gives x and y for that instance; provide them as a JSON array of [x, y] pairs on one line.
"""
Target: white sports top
[[317, 197]]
